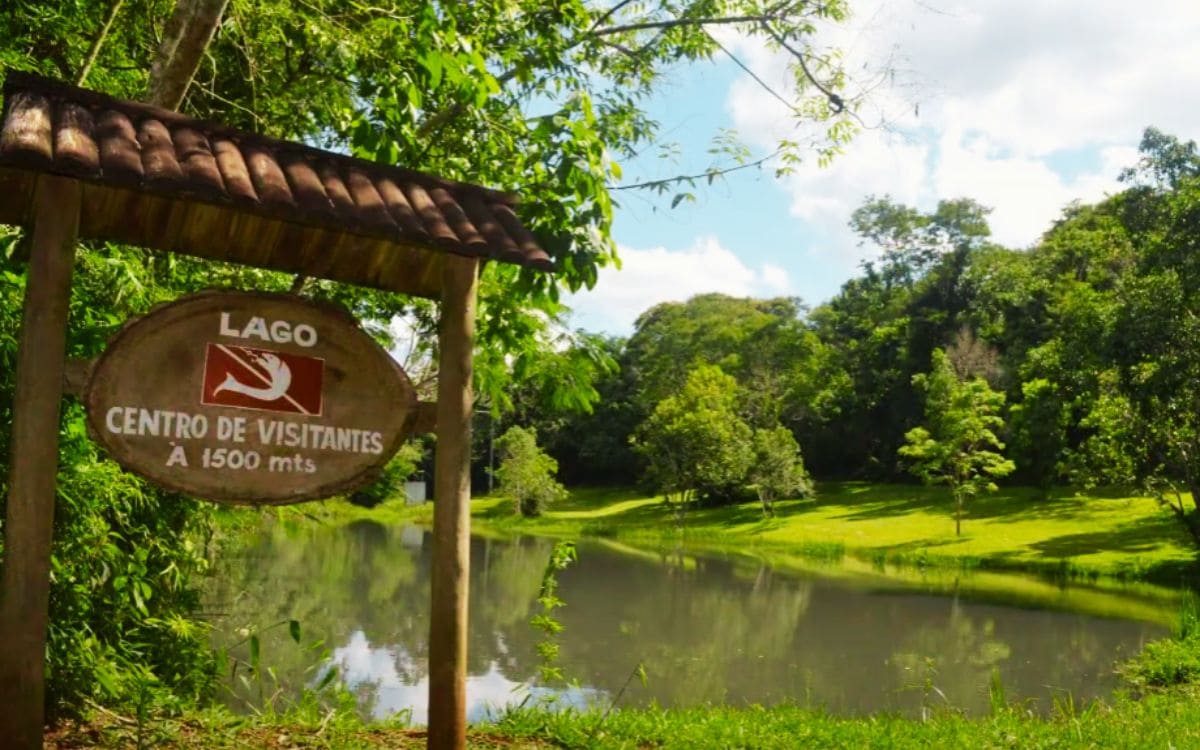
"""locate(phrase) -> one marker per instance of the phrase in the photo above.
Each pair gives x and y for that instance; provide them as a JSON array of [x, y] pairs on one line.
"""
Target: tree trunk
[[1192, 520], [185, 37], [765, 499]]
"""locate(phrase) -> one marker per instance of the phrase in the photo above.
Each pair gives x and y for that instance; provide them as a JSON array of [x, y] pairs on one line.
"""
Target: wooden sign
[[246, 397]]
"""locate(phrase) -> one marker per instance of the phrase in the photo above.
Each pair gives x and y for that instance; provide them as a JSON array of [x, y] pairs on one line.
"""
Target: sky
[[1022, 105]]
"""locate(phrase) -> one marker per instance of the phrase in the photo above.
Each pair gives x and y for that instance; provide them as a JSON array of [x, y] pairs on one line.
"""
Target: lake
[[847, 636]]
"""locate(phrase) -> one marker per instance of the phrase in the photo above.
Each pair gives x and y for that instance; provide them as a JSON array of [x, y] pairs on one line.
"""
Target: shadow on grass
[[918, 545], [499, 511], [1144, 535], [592, 498], [866, 502], [860, 502]]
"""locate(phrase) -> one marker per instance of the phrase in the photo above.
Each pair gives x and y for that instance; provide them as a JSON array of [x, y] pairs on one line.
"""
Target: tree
[[694, 443], [957, 446], [1165, 163], [881, 328], [543, 98], [1161, 382], [1156, 336], [526, 474], [753, 340], [777, 469]]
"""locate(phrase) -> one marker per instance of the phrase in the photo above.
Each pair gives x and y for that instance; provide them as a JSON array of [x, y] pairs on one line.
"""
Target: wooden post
[[452, 509], [29, 520]]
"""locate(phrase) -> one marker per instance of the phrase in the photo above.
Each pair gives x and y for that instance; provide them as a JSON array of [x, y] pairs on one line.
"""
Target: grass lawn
[[1170, 719], [1064, 533]]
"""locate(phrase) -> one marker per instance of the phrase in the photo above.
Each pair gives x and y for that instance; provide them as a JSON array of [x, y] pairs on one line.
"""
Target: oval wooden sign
[[249, 398]]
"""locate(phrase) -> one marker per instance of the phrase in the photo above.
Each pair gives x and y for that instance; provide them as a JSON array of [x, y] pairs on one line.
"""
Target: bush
[[1164, 663], [526, 474], [1170, 661], [391, 479]]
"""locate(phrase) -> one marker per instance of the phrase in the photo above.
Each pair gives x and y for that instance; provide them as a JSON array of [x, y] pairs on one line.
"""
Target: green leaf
[[328, 677]]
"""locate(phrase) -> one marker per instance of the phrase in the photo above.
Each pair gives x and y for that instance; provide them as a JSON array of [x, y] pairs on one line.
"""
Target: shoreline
[[1102, 537]]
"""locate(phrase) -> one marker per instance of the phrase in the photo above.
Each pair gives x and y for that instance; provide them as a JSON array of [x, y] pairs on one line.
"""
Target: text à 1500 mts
[[236, 459]]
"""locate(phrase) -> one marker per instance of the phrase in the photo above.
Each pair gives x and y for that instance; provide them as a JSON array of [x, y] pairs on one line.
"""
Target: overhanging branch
[[709, 174], [440, 118], [835, 101], [759, 18]]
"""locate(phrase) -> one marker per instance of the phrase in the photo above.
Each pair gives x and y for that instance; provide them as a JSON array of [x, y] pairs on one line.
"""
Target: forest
[[1080, 355], [544, 99], [1089, 338]]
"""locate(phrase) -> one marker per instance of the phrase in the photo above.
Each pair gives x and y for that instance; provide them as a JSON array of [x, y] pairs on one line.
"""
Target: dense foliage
[[126, 555], [1090, 338], [546, 99], [695, 444]]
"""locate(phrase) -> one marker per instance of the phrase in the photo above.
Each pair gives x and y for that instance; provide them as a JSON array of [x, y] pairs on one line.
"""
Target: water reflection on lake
[[707, 629]]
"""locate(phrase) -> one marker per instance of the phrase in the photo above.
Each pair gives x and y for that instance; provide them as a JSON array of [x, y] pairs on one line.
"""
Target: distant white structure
[[414, 493]]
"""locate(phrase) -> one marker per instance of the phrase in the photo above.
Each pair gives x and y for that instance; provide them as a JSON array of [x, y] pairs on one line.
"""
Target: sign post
[[452, 509], [29, 519], [249, 397], [236, 404]]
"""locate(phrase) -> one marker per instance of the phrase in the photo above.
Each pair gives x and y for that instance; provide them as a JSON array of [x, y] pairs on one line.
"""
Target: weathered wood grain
[[27, 138], [427, 211], [450, 571], [158, 154], [198, 163], [465, 232], [74, 141], [162, 155], [120, 153], [29, 515]]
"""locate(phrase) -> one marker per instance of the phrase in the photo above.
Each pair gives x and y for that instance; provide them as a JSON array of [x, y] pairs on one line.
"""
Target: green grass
[[882, 536], [1163, 719], [1166, 721], [1064, 533], [1067, 534]]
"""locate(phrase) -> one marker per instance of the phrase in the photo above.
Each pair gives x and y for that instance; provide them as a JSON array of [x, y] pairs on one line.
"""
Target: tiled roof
[[51, 127]]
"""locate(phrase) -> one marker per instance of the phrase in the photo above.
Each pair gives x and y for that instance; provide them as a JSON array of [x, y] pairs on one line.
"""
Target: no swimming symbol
[[262, 379]]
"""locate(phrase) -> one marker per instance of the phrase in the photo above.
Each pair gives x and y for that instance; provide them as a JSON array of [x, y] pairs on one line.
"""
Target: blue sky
[[1023, 105]]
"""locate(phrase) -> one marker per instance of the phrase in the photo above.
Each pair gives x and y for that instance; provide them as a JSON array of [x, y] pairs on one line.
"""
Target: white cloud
[[775, 278], [650, 276], [1025, 105], [388, 675]]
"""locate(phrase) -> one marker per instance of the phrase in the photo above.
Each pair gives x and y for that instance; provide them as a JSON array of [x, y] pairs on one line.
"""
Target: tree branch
[[746, 69], [759, 18], [835, 101], [98, 42], [436, 121], [608, 14], [690, 178]]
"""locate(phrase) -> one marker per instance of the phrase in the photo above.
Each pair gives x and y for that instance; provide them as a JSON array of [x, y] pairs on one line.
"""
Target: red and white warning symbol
[[262, 379]]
